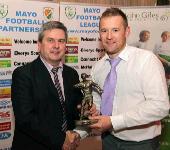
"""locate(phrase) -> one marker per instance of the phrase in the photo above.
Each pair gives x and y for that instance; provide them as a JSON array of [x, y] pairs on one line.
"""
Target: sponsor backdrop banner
[[19, 23], [84, 47]]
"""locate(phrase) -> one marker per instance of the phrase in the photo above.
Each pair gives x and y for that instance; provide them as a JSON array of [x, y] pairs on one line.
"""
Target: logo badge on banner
[[48, 13], [3, 10], [70, 12]]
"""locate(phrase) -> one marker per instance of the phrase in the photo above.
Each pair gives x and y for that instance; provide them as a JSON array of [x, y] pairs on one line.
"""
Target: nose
[[109, 35], [56, 44]]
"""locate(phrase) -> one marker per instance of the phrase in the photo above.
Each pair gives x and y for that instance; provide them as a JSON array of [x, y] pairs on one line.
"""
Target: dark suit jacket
[[37, 109]]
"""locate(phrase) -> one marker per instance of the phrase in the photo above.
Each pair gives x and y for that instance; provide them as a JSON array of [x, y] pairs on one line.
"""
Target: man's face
[[164, 37], [145, 37], [52, 48], [113, 34]]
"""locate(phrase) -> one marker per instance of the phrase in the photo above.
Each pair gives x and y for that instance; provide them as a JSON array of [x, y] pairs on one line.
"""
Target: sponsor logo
[[5, 104], [70, 12], [5, 82], [3, 10], [5, 53], [88, 39], [5, 41], [4, 116], [73, 40], [72, 50], [20, 63], [5, 135], [48, 13], [5, 63], [22, 41], [90, 59], [5, 73], [5, 93], [86, 66], [71, 59]]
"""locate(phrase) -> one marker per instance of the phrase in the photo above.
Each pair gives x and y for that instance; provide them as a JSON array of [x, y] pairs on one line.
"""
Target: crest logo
[[48, 13], [70, 12], [3, 10]]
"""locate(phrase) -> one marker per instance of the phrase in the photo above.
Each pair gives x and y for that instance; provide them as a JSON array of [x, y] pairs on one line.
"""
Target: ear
[[39, 46], [127, 32]]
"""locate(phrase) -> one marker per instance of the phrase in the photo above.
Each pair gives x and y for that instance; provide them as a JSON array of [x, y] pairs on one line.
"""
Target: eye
[[115, 30], [50, 40], [62, 40], [103, 30]]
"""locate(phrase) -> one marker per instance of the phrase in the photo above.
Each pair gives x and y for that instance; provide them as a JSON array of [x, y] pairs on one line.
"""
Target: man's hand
[[93, 111], [72, 140], [103, 124]]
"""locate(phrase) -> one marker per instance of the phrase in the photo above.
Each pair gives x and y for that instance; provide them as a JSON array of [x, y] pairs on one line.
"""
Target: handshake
[[72, 140]]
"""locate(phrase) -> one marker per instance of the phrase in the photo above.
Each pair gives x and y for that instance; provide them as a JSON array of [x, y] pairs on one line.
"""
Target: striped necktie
[[61, 98]]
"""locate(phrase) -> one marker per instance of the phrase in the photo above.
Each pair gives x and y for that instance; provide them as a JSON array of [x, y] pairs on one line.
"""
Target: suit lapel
[[43, 75], [65, 82]]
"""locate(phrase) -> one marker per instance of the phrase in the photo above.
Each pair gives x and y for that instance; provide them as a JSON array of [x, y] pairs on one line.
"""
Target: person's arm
[[26, 111], [154, 108], [156, 104]]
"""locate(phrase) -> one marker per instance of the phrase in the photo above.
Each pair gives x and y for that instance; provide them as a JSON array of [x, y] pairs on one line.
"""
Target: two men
[[140, 100]]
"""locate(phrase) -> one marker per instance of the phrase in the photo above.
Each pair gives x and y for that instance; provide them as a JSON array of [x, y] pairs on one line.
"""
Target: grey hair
[[49, 26]]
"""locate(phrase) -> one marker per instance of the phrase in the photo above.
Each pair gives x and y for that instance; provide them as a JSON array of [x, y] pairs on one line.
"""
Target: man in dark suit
[[37, 107]]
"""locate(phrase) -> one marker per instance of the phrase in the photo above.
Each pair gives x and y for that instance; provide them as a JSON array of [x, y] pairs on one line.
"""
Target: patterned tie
[[61, 98], [109, 89]]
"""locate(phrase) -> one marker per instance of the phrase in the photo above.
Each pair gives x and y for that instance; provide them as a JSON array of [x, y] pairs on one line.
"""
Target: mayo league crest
[[48, 13], [70, 12], [3, 10]]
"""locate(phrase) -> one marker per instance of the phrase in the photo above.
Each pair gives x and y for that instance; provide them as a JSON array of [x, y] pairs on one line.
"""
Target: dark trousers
[[110, 142]]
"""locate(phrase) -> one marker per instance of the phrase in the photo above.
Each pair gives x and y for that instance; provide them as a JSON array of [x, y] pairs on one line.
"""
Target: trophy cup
[[87, 87]]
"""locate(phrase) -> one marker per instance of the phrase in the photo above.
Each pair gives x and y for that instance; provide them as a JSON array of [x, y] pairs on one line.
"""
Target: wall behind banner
[[18, 44], [110, 2]]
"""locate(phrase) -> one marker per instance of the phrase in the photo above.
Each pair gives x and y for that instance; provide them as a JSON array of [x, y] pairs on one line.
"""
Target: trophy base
[[85, 122]]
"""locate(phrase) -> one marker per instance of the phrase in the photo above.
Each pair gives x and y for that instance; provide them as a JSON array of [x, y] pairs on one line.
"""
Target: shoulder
[[25, 69], [69, 70], [142, 57], [139, 53]]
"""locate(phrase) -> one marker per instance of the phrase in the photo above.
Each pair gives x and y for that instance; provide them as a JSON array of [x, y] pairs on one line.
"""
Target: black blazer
[[37, 109]]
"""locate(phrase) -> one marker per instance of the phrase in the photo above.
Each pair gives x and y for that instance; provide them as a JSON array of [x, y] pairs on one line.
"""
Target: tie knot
[[54, 70], [115, 62]]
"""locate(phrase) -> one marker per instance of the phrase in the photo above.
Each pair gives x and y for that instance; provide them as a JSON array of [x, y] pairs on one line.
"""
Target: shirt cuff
[[117, 122], [83, 132]]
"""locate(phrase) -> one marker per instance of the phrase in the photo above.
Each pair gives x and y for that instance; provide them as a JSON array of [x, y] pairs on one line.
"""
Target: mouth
[[111, 42], [55, 52]]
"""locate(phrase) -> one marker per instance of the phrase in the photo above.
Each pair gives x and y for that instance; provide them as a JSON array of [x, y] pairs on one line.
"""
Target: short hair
[[49, 26], [113, 11], [165, 33], [141, 34]]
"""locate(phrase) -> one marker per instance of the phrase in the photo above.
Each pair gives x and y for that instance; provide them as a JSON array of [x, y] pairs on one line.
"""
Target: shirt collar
[[124, 54], [49, 66]]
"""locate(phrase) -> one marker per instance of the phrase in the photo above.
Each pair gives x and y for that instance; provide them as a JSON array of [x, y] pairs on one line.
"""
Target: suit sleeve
[[27, 114]]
